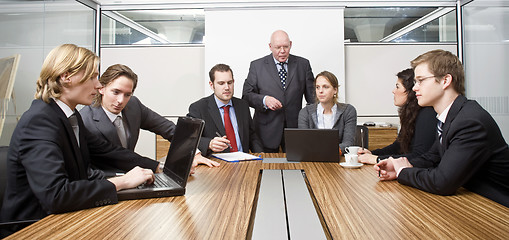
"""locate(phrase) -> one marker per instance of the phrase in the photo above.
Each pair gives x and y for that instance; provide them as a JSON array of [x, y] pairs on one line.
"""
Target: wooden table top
[[219, 201]]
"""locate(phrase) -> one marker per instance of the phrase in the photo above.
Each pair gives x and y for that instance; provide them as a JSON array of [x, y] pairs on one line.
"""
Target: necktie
[[74, 123], [282, 74], [439, 130], [230, 133], [121, 131]]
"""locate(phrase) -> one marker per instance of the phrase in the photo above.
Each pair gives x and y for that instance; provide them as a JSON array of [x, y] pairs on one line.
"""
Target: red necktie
[[230, 133]]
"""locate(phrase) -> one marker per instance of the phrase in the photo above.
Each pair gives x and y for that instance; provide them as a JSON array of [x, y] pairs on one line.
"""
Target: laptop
[[312, 145], [172, 181]]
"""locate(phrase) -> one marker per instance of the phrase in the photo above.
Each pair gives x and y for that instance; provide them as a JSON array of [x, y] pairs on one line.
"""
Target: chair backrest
[[362, 135], [3, 172]]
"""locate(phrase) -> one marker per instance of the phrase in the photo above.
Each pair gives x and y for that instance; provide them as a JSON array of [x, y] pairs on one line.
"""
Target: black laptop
[[172, 182], [312, 145]]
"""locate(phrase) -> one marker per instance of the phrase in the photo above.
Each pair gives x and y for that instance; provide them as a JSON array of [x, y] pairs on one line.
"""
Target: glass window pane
[[149, 27], [400, 24]]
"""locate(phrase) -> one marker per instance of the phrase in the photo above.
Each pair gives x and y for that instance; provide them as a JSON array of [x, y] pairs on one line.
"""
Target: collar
[[67, 110], [111, 115], [319, 108], [276, 61], [220, 104], [442, 116]]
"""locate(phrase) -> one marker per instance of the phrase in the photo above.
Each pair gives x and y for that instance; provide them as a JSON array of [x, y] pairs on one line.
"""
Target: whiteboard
[[169, 78], [237, 37]]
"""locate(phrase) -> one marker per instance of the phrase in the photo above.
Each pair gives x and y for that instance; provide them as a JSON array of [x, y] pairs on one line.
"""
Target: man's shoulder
[[298, 59], [201, 102]]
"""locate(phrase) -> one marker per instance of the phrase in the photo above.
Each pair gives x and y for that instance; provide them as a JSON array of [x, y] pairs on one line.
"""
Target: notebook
[[172, 181], [312, 145]]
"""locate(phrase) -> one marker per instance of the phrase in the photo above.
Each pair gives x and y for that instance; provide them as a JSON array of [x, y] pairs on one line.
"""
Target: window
[[400, 24], [153, 27]]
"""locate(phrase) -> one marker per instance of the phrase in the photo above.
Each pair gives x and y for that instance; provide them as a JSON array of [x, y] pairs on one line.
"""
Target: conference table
[[219, 204]]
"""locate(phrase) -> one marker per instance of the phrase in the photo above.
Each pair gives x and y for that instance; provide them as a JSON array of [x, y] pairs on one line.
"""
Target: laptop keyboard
[[161, 180]]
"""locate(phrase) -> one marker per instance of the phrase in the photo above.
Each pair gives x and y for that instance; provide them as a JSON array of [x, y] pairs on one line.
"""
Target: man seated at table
[[117, 116], [228, 123], [469, 151]]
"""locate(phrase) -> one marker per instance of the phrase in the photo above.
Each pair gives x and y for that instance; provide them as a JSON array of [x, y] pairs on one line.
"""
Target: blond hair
[[66, 58]]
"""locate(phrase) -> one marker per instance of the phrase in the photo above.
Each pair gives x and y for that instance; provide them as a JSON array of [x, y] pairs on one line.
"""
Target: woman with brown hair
[[418, 124]]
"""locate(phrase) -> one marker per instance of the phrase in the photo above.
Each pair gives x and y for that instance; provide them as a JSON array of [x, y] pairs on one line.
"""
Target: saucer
[[355, 165]]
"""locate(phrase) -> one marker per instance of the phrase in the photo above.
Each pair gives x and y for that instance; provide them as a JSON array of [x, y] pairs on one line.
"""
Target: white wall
[[371, 75], [169, 80], [237, 37]]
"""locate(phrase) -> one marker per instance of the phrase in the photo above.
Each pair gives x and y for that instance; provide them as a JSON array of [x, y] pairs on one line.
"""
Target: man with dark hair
[[226, 116], [469, 151], [117, 116]]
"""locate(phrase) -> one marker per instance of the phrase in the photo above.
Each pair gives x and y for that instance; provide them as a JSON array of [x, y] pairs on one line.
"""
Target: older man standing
[[274, 88]]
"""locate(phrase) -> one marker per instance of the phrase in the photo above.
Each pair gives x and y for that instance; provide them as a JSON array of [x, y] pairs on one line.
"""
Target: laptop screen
[[183, 148]]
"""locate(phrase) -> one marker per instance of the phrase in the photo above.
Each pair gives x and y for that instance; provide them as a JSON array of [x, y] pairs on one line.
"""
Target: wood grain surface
[[219, 202]]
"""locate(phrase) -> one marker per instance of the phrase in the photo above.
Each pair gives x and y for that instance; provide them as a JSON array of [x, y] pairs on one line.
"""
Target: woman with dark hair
[[418, 124], [328, 113]]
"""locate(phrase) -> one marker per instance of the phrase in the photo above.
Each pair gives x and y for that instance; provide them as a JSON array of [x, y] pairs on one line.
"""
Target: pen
[[377, 161], [219, 135]]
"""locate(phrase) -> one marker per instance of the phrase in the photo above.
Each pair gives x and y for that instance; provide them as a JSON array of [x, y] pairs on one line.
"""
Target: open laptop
[[312, 145], [173, 180]]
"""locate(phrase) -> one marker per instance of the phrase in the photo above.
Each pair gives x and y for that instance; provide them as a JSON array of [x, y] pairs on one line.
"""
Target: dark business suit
[[206, 109], [136, 116], [424, 137], [473, 154], [263, 80], [47, 171]]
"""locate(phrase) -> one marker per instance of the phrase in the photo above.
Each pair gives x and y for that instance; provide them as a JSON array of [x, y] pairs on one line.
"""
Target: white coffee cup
[[351, 159], [352, 149]]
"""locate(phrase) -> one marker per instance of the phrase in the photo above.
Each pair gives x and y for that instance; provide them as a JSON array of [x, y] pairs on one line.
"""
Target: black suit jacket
[[206, 109], [472, 154], [47, 171], [263, 80], [425, 132], [136, 116]]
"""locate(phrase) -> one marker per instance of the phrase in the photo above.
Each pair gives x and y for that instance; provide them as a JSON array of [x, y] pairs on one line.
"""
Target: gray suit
[[136, 116], [345, 121], [263, 80]]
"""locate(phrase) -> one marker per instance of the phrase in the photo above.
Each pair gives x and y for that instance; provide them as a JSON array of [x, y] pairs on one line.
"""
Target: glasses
[[420, 80]]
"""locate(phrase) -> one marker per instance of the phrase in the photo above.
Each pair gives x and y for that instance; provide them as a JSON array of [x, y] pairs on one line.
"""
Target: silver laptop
[[312, 145], [173, 180]]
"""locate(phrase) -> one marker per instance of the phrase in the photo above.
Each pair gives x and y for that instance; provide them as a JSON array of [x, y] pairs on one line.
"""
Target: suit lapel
[[215, 115], [292, 69], [451, 115], [78, 157], [105, 126], [239, 113], [272, 69], [314, 115]]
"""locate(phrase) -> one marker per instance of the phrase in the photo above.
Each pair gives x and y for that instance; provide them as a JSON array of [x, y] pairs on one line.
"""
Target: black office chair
[[362, 135], [6, 227]]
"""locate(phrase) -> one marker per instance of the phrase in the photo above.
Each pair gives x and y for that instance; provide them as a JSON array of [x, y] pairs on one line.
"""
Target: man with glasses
[[274, 88], [470, 150]]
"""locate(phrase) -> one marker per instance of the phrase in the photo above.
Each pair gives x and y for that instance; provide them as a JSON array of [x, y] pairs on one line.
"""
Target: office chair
[[362, 135], [6, 227]]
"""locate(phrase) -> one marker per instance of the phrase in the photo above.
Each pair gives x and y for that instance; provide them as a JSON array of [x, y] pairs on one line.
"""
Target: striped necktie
[[439, 130]]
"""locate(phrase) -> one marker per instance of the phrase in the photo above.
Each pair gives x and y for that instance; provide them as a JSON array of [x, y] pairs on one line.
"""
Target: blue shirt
[[233, 119]]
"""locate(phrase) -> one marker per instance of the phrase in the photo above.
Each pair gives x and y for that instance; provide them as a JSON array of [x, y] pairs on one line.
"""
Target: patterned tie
[[120, 131], [439, 129], [282, 74], [230, 133], [75, 128]]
